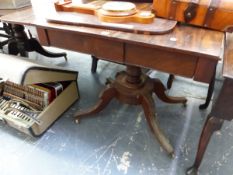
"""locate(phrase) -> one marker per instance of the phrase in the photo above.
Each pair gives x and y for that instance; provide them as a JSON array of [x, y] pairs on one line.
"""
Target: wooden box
[[25, 74], [214, 14], [14, 4]]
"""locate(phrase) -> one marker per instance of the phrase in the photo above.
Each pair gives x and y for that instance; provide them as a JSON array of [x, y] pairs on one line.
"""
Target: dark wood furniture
[[212, 14], [21, 44], [222, 109], [186, 51], [135, 88], [18, 41]]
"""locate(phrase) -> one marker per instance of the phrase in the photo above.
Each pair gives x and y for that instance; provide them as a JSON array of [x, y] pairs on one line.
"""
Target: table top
[[228, 57], [191, 40]]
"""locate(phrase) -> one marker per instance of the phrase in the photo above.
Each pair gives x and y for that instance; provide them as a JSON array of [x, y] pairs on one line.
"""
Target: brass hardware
[[190, 12]]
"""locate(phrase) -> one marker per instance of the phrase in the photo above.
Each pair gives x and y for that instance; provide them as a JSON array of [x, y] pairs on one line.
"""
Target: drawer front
[[166, 61], [99, 47]]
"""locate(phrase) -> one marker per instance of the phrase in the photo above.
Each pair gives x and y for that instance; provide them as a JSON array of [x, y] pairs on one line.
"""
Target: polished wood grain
[[169, 61], [184, 63], [132, 13], [192, 40], [189, 49], [100, 47], [220, 20], [156, 26], [91, 15]]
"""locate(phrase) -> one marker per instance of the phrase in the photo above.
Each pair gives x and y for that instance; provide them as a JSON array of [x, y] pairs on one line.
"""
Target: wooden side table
[[222, 109]]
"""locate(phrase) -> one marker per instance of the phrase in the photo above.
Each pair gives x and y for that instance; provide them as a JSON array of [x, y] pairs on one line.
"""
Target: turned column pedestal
[[135, 88]]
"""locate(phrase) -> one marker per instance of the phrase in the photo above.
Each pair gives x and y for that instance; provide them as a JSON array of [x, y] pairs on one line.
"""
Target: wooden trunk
[[214, 14]]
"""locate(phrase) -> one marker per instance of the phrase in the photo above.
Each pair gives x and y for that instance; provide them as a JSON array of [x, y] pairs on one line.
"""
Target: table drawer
[[99, 47], [166, 61]]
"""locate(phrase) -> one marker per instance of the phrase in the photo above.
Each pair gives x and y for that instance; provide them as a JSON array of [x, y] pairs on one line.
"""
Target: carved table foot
[[22, 44], [150, 114], [105, 97], [33, 44], [133, 87], [160, 89]]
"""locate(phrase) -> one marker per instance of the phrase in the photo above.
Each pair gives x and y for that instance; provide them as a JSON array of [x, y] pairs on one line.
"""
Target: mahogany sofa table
[[186, 51]]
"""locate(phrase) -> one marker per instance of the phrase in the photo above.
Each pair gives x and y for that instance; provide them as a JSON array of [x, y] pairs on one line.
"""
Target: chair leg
[[209, 93], [33, 44], [170, 81], [94, 64], [212, 124]]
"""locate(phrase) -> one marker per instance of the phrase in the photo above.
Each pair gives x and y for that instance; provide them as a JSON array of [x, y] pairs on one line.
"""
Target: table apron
[[187, 65], [99, 47], [166, 61]]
